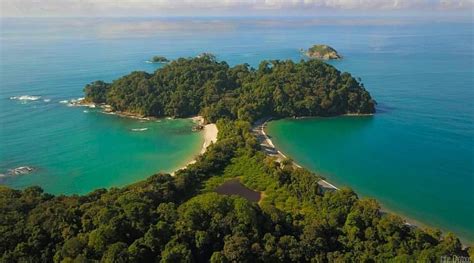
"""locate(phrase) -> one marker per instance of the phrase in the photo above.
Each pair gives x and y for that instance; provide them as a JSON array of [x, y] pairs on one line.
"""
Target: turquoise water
[[415, 155], [75, 149]]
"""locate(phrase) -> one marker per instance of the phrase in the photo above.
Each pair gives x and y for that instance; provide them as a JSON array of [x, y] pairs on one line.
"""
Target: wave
[[85, 111], [47, 100], [64, 102], [25, 97], [139, 129], [76, 100]]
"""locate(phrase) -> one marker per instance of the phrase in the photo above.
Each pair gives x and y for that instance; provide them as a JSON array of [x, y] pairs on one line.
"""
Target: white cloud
[[225, 7]]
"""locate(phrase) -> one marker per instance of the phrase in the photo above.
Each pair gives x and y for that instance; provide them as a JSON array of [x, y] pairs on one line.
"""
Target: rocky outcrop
[[323, 52]]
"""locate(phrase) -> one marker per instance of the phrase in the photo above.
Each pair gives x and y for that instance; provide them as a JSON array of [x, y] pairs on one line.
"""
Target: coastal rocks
[[107, 109], [80, 102], [197, 127], [22, 170], [323, 52]]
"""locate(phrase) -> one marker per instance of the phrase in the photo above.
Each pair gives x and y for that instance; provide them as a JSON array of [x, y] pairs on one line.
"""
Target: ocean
[[416, 155]]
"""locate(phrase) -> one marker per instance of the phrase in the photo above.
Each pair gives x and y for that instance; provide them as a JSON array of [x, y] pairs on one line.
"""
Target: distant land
[[323, 52], [159, 59]]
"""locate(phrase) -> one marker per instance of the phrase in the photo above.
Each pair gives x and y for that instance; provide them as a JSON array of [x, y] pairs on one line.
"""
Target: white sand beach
[[209, 132]]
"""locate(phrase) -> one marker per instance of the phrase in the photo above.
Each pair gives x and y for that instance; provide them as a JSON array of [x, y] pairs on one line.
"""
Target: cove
[[421, 177], [88, 150]]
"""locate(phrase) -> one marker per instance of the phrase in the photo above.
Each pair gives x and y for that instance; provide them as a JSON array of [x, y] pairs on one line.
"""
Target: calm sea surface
[[416, 155]]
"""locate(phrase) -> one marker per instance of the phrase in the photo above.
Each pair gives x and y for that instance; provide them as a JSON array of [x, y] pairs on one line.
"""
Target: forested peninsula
[[181, 218]]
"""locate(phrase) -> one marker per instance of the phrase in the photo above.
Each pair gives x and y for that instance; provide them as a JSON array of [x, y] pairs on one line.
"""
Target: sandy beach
[[209, 132]]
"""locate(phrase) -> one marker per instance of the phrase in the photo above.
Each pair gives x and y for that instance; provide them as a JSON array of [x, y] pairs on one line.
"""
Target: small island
[[159, 59], [323, 52]]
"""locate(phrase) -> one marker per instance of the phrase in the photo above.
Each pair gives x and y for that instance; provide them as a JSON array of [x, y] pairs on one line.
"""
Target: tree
[[116, 253], [176, 252], [96, 91], [236, 248]]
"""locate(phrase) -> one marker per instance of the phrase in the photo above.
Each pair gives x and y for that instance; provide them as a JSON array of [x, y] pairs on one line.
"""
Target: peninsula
[[284, 215], [206, 87]]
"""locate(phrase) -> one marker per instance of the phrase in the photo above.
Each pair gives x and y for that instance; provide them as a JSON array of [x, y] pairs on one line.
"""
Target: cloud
[[219, 7]]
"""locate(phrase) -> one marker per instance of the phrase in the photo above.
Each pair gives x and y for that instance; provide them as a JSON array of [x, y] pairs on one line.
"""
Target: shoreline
[[270, 149], [209, 133]]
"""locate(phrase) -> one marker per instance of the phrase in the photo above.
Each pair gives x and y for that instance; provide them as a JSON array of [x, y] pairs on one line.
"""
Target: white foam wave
[[64, 102], [85, 111], [47, 100], [140, 129], [25, 97], [77, 100]]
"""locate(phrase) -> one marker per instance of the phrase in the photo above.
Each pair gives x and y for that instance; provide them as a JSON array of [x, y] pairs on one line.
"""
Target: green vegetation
[[180, 219], [96, 92], [324, 52], [204, 86], [159, 59], [176, 219]]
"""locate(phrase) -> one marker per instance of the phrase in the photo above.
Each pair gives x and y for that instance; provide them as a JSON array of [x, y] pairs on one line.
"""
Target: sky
[[105, 8]]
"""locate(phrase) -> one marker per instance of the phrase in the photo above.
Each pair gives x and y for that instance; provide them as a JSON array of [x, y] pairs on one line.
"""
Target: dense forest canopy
[[213, 89], [181, 219]]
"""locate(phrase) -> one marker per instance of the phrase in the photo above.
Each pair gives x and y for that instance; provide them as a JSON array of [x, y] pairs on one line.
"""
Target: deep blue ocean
[[416, 155]]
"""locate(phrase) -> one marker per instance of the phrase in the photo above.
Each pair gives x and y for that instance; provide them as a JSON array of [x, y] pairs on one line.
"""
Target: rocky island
[[323, 52], [159, 59]]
